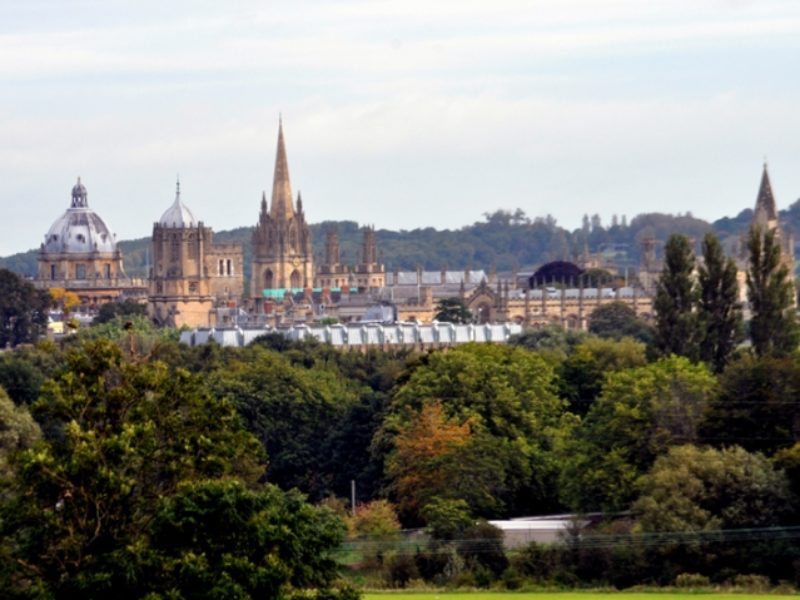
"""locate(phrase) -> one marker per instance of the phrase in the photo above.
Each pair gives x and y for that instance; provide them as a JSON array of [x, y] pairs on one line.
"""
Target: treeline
[[504, 239], [162, 464]]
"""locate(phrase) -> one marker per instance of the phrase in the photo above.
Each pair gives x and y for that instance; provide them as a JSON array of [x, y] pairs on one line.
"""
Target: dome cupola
[[79, 230], [178, 214]]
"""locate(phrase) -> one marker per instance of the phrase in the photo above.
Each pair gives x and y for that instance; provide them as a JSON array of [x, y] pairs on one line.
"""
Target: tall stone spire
[[282, 204], [765, 214]]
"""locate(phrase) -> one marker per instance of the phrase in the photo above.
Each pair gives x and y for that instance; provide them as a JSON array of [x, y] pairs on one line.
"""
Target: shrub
[[400, 569], [692, 580], [752, 583]]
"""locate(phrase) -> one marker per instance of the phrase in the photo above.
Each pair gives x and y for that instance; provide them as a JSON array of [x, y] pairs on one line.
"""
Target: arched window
[[296, 279], [268, 279], [230, 269]]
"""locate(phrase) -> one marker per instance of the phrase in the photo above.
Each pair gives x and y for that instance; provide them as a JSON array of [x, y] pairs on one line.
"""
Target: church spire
[[765, 203], [282, 205]]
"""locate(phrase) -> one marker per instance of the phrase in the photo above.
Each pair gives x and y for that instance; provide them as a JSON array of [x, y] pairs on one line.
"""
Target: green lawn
[[561, 596]]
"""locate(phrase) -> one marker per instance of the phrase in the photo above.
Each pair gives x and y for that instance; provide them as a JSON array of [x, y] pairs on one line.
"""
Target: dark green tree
[[706, 493], [773, 326], [617, 320], [144, 484], [23, 310], [452, 310], [755, 406], [127, 308], [293, 411], [719, 313], [676, 322], [582, 374], [639, 414]]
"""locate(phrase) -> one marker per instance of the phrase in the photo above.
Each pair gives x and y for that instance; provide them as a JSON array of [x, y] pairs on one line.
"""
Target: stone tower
[[369, 272], [765, 217], [282, 256], [332, 273], [191, 273]]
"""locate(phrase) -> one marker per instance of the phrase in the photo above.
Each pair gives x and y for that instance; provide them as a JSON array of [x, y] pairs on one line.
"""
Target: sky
[[401, 114]]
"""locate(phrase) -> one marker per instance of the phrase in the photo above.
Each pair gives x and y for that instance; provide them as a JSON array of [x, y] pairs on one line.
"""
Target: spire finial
[[177, 186]]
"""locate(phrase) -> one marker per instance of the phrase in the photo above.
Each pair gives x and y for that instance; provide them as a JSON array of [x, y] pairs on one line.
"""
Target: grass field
[[564, 596]]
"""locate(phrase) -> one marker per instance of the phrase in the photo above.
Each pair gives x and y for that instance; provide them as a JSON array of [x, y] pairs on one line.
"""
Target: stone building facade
[[282, 255], [369, 273], [191, 274], [80, 255]]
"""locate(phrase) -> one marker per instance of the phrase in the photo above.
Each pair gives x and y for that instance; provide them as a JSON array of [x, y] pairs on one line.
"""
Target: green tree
[[376, 519], [23, 371], [639, 414], [18, 431], [446, 519], [126, 308], [452, 310], [617, 320], [705, 489], [23, 310], [507, 396], [719, 313], [294, 411], [712, 492], [219, 539], [146, 483], [773, 326], [582, 374], [676, 323], [755, 406]]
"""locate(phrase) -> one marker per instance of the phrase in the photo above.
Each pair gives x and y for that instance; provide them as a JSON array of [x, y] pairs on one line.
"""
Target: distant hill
[[503, 239]]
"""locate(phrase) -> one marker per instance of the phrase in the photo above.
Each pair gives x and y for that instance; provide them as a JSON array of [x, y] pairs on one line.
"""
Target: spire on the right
[[766, 213]]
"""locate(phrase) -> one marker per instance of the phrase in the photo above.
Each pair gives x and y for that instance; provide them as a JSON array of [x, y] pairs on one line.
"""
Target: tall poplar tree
[[773, 326], [719, 313], [676, 322]]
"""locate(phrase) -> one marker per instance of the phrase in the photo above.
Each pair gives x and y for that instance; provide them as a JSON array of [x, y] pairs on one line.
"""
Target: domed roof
[[178, 214], [79, 230]]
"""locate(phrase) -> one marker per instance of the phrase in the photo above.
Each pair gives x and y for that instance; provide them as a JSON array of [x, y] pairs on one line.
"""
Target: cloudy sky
[[403, 114]]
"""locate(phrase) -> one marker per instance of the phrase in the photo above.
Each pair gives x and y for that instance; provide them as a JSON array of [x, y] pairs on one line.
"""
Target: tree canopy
[[23, 310]]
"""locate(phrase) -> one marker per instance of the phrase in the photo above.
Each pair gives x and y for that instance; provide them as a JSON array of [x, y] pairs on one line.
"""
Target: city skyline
[[399, 114]]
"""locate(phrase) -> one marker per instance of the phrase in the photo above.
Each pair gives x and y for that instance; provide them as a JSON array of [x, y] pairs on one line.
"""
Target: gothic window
[[192, 286], [230, 270], [221, 267], [80, 271], [192, 246], [268, 279], [52, 271], [296, 280], [107, 271], [176, 247]]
